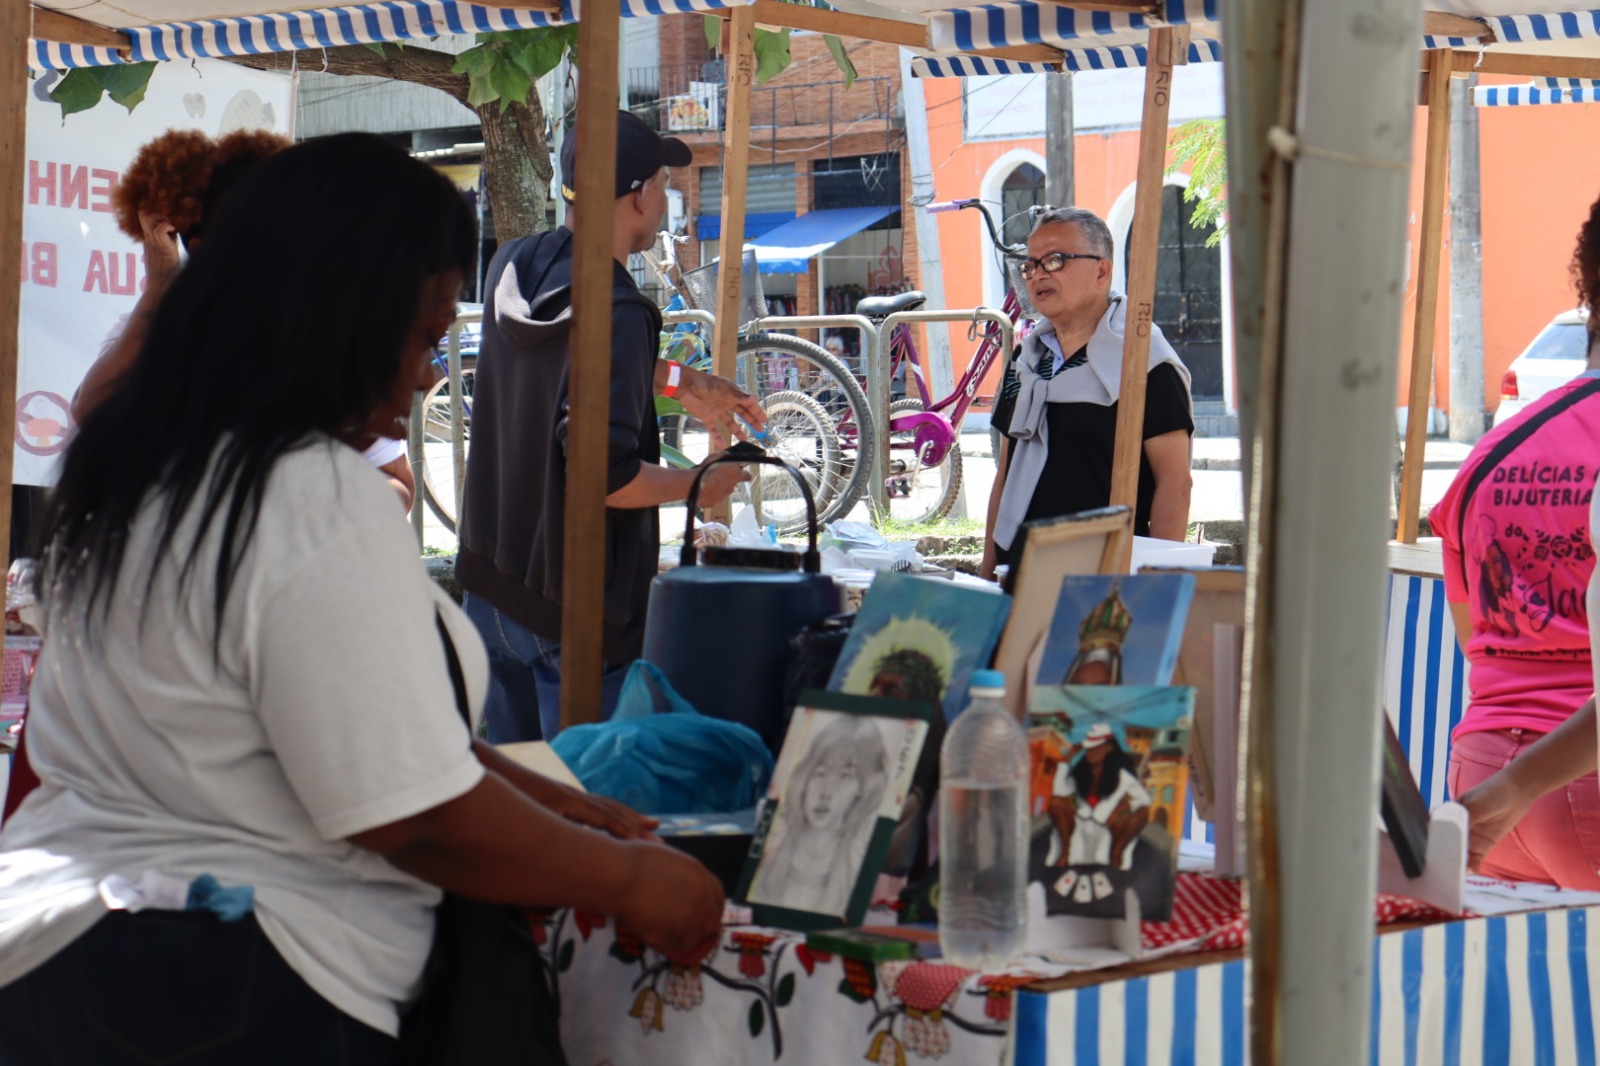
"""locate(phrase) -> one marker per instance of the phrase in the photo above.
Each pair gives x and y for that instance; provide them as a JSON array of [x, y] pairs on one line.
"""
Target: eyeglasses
[[1050, 262]]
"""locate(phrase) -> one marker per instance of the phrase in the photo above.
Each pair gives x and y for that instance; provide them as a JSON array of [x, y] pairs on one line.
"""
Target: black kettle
[[720, 630]]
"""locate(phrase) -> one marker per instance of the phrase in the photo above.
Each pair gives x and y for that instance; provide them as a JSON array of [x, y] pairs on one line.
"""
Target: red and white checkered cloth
[[1208, 915]]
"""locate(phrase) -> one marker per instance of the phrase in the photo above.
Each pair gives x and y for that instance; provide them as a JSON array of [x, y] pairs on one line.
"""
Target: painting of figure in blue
[[1116, 630], [920, 638]]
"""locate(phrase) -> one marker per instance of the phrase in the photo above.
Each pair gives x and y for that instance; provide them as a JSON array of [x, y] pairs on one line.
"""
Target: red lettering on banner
[[124, 285], [100, 192], [74, 186], [41, 182], [39, 266], [96, 280]]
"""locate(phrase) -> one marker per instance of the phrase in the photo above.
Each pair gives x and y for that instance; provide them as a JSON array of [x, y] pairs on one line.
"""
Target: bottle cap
[[988, 679]]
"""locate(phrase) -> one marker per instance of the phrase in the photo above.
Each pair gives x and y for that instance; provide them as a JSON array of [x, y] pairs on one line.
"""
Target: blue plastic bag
[[661, 756]]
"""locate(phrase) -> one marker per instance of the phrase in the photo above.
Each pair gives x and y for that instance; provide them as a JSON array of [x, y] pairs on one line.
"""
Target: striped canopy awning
[[1538, 92], [289, 31]]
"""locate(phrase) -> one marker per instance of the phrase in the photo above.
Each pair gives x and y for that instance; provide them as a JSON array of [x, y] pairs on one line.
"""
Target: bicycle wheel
[[438, 459], [917, 491], [770, 363], [800, 432]]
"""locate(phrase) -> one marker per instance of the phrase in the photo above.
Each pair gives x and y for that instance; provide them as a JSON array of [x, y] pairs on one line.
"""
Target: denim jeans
[[524, 701], [177, 986]]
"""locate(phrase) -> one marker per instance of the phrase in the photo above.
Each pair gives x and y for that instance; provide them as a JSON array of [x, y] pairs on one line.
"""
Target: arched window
[[1022, 189]]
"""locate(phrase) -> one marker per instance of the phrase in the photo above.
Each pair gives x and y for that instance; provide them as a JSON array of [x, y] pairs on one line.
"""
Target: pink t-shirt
[[1527, 557]]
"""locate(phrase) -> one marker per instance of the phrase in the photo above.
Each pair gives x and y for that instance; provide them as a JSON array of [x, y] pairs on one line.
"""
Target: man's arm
[[1169, 461], [1002, 462]]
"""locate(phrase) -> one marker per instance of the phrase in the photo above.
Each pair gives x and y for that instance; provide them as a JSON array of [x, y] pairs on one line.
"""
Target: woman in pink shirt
[[1518, 559]]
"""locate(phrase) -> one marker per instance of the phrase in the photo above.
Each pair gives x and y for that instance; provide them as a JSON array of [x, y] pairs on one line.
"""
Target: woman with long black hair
[[251, 790]]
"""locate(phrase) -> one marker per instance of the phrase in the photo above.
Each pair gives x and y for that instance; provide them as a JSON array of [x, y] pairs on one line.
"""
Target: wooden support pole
[[593, 267], [1169, 45], [739, 51], [1435, 176], [14, 30], [1530, 65], [57, 26]]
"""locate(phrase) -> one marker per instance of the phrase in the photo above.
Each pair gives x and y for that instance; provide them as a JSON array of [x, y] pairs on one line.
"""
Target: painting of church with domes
[[1116, 630]]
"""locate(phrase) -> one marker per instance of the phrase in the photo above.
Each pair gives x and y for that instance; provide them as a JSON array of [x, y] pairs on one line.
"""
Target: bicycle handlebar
[[1009, 251], [948, 205]]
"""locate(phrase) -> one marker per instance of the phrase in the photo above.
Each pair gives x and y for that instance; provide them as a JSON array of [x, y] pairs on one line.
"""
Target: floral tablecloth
[[761, 997]]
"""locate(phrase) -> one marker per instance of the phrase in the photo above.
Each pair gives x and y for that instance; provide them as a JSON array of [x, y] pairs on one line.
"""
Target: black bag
[[488, 996]]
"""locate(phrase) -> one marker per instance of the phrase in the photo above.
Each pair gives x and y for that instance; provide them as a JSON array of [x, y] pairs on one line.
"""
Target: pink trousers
[[1558, 840]]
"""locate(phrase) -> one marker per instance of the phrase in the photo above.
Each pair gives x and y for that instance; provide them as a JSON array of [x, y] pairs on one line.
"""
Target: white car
[[1556, 356]]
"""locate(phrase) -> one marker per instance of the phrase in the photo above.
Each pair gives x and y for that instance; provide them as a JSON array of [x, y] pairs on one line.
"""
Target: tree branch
[[419, 66]]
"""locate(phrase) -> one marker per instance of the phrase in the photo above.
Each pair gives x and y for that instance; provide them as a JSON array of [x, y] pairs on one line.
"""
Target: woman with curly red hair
[[1517, 531], [172, 190]]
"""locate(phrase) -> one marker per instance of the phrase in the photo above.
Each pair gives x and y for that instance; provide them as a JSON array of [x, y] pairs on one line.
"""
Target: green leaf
[[510, 83], [78, 91], [842, 59], [676, 459], [377, 46], [772, 54], [666, 405], [713, 32], [475, 62], [849, 991], [126, 82], [758, 1018], [785, 990], [564, 960]]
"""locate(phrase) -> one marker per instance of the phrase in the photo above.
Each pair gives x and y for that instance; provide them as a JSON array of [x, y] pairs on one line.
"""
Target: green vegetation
[[1201, 146], [895, 529]]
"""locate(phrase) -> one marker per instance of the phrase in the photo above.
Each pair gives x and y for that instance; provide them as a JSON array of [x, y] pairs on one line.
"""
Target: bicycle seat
[[884, 306]]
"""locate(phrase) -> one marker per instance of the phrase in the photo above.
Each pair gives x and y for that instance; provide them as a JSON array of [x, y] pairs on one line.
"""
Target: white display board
[[80, 274], [1014, 105]]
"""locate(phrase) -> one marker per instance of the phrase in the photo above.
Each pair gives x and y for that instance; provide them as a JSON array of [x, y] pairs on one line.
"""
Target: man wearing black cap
[[510, 561]]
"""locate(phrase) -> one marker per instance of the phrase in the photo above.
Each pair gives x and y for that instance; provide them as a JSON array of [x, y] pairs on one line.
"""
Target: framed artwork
[[1116, 630], [1090, 542], [824, 828], [919, 638], [1108, 791]]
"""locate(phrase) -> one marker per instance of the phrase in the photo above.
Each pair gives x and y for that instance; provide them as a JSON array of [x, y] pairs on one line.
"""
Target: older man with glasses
[[1057, 407]]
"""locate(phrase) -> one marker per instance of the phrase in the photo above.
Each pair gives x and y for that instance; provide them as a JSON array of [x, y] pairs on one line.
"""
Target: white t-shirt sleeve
[[384, 451], [353, 690]]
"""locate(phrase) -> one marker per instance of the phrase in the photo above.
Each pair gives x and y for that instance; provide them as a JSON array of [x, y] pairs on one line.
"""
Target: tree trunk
[[516, 166], [516, 156]]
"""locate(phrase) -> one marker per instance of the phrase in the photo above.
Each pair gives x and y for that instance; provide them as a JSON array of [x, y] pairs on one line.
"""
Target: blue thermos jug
[[720, 630]]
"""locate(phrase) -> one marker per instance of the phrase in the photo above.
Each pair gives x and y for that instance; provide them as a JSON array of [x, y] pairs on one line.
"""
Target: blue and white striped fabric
[[1424, 678], [974, 67], [1201, 50], [1482, 992], [1534, 94], [1566, 26], [392, 20], [1026, 22]]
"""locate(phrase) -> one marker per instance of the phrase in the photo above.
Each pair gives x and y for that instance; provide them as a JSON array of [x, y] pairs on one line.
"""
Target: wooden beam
[[1169, 46], [739, 52], [778, 15], [51, 25], [1444, 24], [1533, 66], [1022, 53], [1434, 177], [593, 269], [14, 34]]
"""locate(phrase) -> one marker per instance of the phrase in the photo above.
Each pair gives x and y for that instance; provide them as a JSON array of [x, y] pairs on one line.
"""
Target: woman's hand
[[715, 401], [675, 906], [161, 253], [1494, 807], [606, 815]]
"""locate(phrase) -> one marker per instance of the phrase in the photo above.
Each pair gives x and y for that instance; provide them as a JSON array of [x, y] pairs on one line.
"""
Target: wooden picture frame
[[783, 882], [1089, 542], [1218, 600]]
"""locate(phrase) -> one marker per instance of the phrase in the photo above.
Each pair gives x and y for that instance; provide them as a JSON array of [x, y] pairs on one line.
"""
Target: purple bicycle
[[923, 474]]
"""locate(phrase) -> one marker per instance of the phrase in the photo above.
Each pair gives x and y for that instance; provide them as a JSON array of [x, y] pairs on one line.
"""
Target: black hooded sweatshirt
[[513, 517]]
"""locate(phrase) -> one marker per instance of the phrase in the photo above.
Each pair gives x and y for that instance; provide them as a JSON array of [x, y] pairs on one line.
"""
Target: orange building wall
[[1539, 172]]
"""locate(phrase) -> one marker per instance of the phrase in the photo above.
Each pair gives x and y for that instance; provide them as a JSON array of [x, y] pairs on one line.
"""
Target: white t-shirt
[[329, 711], [384, 451]]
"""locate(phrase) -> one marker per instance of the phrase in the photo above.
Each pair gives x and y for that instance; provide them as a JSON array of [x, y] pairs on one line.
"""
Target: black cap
[[641, 152]]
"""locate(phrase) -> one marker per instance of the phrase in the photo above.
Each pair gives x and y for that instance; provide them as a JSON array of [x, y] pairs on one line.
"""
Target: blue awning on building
[[790, 248], [758, 224]]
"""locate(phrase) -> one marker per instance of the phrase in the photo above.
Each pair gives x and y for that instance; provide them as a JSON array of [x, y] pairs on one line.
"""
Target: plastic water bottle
[[983, 831]]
